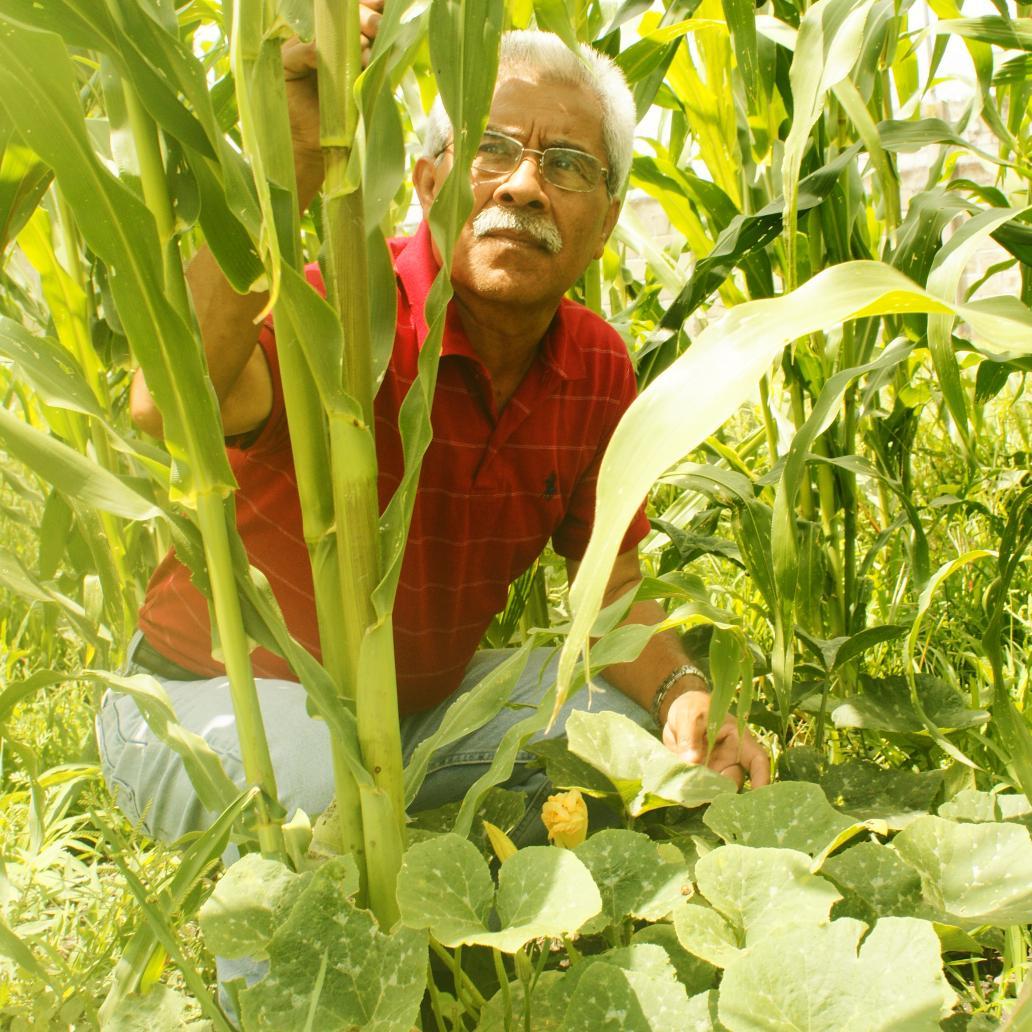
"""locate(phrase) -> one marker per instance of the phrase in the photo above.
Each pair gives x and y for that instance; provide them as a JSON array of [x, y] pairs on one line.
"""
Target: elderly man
[[530, 388]]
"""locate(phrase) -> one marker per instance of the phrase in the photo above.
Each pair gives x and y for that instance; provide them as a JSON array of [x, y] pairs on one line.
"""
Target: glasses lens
[[497, 153], [571, 169]]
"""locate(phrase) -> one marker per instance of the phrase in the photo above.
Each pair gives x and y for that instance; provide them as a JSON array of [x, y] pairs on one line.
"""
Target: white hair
[[546, 54]]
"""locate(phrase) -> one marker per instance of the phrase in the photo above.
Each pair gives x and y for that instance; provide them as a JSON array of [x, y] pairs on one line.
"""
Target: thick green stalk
[[353, 452], [211, 516], [236, 656]]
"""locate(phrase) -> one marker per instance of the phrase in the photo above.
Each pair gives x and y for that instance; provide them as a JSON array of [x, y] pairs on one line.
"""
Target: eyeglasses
[[569, 169]]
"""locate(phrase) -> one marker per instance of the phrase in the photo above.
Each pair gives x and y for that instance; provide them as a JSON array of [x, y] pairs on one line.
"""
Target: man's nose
[[524, 185]]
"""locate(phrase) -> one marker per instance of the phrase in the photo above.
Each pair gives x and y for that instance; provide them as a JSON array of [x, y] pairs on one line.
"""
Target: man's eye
[[494, 146], [569, 161]]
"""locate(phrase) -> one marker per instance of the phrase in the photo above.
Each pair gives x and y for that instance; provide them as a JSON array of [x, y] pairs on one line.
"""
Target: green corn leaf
[[464, 36], [161, 927], [827, 47], [36, 84], [730, 358], [1009, 33], [92, 27], [944, 279], [741, 20], [1015, 72], [467, 713], [70, 472], [748, 234], [50, 368], [23, 182], [554, 16], [214, 788]]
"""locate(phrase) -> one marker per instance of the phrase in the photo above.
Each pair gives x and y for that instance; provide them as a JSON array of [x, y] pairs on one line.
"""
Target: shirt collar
[[416, 268]]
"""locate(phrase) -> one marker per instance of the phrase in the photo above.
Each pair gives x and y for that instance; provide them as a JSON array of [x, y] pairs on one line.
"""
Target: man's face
[[509, 265]]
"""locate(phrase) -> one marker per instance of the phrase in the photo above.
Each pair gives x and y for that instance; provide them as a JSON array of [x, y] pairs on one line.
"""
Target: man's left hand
[[733, 755]]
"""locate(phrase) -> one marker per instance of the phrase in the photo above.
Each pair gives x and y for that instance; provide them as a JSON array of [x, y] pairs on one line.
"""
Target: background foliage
[[847, 542]]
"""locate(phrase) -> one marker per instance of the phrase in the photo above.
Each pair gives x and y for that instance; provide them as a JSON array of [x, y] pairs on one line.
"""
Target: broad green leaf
[[885, 705], [706, 935], [974, 873], [788, 815], [645, 773], [987, 807], [161, 1009], [645, 997], [695, 974], [250, 901], [869, 792], [816, 980], [702, 1013], [332, 969], [565, 770], [875, 881], [542, 891], [759, 890], [730, 357], [631, 877], [445, 886]]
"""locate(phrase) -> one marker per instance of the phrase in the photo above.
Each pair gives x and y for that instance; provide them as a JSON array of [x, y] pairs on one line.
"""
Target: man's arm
[[226, 319], [684, 712]]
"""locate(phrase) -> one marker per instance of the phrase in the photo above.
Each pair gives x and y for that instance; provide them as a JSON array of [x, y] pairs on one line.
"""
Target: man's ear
[[612, 214], [427, 178]]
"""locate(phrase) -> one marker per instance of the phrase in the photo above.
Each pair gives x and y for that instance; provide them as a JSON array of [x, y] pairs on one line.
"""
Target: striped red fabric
[[493, 489]]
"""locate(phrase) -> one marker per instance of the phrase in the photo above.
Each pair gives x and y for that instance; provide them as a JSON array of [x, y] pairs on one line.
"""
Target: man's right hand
[[299, 70]]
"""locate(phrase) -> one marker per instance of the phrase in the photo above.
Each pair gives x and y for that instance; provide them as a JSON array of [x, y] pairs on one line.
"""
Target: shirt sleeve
[[570, 538]]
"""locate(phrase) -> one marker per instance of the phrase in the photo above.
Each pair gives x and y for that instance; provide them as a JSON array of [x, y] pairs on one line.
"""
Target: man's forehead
[[530, 100]]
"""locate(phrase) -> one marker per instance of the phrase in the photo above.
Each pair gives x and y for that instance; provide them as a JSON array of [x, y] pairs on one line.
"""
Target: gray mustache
[[539, 227]]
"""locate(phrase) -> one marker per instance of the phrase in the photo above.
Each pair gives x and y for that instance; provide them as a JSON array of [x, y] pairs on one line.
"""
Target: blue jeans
[[154, 791]]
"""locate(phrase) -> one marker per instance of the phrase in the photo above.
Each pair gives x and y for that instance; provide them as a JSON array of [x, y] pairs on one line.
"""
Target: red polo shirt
[[493, 489]]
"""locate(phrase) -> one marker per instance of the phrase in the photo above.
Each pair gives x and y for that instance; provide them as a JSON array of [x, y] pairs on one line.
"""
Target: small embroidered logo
[[551, 488]]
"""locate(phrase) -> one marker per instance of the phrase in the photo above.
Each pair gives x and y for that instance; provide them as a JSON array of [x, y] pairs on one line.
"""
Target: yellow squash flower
[[566, 818]]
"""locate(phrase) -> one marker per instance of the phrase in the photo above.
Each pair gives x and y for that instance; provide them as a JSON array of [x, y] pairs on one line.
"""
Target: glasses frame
[[540, 154]]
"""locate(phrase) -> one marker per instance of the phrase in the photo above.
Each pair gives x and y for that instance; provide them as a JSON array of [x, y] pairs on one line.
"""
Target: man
[[530, 388]]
